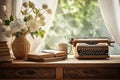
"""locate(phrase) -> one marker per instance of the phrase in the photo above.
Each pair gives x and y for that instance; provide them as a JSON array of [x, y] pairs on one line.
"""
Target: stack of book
[[47, 56], [4, 52]]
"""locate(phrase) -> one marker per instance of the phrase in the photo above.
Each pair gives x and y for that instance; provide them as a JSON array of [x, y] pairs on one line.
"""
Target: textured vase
[[21, 47]]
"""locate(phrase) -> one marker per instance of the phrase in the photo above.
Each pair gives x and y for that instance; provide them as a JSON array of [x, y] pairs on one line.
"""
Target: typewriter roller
[[91, 47]]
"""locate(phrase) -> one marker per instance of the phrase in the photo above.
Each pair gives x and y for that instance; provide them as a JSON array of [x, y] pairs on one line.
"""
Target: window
[[75, 18]]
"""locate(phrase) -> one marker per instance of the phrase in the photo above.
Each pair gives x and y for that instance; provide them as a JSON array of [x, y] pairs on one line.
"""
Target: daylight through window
[[75, 18]]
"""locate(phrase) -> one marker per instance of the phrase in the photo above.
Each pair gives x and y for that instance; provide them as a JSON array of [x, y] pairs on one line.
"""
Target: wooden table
[[69, 69]]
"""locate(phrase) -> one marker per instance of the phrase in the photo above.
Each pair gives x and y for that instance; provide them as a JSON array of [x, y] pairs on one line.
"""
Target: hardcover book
[[47, 59], [4, 52], [47, 55]]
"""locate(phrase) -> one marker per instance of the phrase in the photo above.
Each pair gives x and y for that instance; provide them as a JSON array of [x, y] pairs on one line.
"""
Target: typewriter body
[[91, 47]]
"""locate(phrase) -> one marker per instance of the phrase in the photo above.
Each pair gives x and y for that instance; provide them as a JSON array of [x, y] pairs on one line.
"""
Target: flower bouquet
[[32, 22]]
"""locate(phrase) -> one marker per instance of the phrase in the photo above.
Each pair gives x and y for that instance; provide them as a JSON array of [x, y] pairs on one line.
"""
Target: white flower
[[44, 6], [8, 33], [4, 8], [33, 25], [25, 4], [17, 25]]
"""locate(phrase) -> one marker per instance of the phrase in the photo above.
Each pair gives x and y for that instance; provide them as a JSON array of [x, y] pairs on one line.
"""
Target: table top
[[70, 61]]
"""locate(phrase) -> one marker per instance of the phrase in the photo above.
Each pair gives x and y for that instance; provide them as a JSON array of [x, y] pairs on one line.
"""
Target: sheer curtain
[[8, 4], [111, 14], [37, 43], [15, 9]]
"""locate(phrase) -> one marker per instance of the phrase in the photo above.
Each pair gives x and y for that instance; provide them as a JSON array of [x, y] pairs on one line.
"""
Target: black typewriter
[[91, 47]]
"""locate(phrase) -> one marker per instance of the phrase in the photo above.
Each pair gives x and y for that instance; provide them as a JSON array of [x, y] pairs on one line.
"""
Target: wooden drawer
[[91, 73], [26, 73]]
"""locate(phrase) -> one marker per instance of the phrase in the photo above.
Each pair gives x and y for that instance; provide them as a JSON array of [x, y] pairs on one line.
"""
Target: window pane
[[75, 18]]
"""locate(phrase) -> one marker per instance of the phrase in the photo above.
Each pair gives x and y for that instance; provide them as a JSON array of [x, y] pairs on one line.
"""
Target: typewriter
[[91, 47]]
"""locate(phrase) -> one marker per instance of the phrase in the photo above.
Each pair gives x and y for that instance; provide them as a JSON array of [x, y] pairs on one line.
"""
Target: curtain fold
[[110, 10], [37, 43], [8, 4], [16, 8]]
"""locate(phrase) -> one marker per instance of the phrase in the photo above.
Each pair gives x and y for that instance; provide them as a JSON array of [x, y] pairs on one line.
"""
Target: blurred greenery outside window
[[75, 18]]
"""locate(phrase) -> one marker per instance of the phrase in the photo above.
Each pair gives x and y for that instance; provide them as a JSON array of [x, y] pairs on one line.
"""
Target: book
[[3, 44], [40, 55], [4, 50], [4, 54], [47, 59], [55, 52], [47, 55], [5, 59]]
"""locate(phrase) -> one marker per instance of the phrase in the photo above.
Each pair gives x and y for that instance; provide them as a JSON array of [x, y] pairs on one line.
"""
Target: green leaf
[[7, 22], [25, 19], [32, 35], [34, 10], [11, 18], [37, 11], [23, 13], [36, 34], [18, 34], [42, 33]]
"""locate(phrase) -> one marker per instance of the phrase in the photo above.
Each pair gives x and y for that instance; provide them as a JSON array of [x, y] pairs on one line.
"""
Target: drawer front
[[91, 73], [24, 73]]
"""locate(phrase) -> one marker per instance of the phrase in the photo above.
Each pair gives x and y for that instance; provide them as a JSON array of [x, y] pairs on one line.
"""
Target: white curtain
[[8, 4], [36, 43], [111, 14]]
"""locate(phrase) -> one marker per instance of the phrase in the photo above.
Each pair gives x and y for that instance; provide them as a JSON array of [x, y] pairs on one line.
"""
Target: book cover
[[54, 59], [47, 55], [4, 50], [4, 54], [47, 59], [5, 59], [3, 46], [3, 42], [40, 55]]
